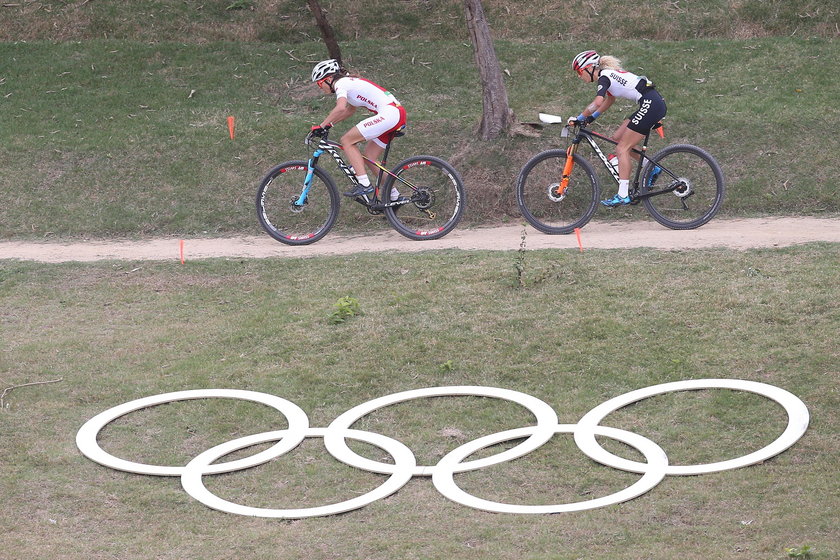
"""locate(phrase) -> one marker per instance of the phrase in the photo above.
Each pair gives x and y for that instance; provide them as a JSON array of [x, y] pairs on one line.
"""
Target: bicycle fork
[[307, 181], [560, 191]]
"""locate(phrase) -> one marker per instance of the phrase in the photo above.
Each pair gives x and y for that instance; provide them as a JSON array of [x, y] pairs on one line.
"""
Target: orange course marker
[[230, 126], [182, 251], [577, 233]]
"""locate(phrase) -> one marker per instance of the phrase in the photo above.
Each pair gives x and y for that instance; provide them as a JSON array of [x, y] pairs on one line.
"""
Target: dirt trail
[[734, 234]]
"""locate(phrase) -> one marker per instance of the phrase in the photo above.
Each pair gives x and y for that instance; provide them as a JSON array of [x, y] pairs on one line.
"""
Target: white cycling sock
[[624, 188], [363, 180], [395, 194]]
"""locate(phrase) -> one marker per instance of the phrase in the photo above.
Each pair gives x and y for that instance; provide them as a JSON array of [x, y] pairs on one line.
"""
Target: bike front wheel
[[292, 214], [690, 185], [430, 196], [542, 204]]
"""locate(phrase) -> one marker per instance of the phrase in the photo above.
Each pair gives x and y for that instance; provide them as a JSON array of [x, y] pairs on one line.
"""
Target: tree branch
[[8, 390]]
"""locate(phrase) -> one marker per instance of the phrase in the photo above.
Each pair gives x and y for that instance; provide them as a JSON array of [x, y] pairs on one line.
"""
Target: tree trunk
[[326, 29], [497, 116]]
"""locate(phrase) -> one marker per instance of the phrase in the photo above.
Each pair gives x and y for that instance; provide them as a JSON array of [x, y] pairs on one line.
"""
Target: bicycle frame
[[582, 133], [689, 177], [422, 197], [332, 148]]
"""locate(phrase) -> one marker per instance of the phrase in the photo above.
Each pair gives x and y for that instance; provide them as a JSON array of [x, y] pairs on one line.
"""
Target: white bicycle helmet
[[324, 69], [584, 59]]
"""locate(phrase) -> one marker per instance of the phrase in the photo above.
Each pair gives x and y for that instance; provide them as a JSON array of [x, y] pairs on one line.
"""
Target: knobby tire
[[691, 166], [534, 193], [437, 205], [295, 224]]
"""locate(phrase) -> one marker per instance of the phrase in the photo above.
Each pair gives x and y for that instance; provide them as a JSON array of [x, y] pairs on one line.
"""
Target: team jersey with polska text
[[622, 84], [363, 93]]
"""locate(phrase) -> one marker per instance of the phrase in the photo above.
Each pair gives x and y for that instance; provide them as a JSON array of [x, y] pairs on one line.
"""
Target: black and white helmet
[[584, 59], [324, 69]]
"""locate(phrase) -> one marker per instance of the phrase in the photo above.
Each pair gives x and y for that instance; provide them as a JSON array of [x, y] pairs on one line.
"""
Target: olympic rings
[[546, 418], [797, 412], [87, 444], [192, 483], [405, 466], [657, 462]]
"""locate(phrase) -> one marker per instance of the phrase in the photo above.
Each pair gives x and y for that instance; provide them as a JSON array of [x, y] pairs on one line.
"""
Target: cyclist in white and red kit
[[614, 81], [352, 92]]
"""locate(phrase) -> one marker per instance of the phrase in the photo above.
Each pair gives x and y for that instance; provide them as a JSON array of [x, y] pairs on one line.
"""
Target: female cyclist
[[613, 81], [379, 129]]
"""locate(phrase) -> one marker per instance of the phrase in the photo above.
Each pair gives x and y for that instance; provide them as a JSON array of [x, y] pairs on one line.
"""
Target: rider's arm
[[341, 111], [603, 99], [594, 109], [600, 104]]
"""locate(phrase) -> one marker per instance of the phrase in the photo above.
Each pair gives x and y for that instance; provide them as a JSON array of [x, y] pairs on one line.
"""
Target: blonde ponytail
[[609, 63]]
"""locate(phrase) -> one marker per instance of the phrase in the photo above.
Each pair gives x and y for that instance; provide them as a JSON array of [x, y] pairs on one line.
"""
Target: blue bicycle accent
[[654, 175], [307, 182]]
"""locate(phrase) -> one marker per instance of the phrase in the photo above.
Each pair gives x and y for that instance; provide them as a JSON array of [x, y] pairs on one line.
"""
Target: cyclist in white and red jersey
[[614, 81], [379, 129]]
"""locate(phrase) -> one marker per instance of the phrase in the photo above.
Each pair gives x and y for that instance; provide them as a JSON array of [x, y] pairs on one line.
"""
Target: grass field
[[118, 137], [518, 20], [113, 124], [583, 328]]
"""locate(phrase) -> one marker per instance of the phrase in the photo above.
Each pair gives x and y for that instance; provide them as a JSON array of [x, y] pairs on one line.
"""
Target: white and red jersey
[[364, 93], [624, 84]]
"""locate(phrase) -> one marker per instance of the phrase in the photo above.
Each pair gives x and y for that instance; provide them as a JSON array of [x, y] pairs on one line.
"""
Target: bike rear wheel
[[693, 184], [433, 195], [543, 207], [288, 218]]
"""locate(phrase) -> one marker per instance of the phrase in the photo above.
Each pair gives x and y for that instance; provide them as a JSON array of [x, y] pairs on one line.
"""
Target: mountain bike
[[298, 202], [557, 191]]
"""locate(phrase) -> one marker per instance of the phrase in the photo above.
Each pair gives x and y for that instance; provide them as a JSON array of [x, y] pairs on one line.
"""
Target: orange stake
[[660, 130], [230, 126], [182, 251], [577, 233]]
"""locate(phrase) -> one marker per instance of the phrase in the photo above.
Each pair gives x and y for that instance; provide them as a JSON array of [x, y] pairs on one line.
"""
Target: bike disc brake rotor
[[295, 207], [682, 188], [552, 192], [423, 198]]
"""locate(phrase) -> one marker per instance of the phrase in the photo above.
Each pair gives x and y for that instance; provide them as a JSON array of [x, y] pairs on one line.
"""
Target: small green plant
[[345, 308], [241, 5], [519, 261], [803, 551], [447, 366], [538, 276]]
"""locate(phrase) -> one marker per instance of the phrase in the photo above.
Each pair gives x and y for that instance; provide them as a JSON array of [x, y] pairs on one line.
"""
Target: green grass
[[116, 138], [112, 122], [584, 328], [518, 20]]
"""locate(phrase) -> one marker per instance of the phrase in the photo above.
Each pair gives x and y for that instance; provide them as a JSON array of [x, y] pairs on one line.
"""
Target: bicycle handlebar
[[317, 131]]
